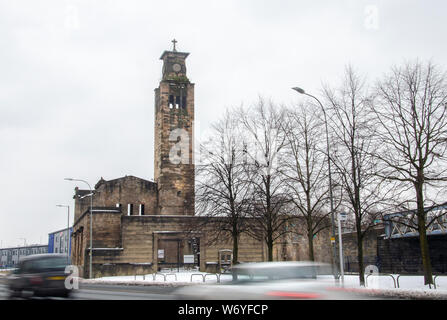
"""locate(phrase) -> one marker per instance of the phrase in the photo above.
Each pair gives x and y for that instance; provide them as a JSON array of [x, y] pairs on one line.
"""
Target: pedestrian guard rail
[[206, 275], [396, 278]]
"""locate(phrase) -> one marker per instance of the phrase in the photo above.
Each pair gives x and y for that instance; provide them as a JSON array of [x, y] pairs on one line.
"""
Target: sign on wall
[[188, 258], [161, 253]]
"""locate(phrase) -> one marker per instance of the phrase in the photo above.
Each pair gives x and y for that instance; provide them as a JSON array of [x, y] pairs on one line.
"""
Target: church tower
[[174, 120]]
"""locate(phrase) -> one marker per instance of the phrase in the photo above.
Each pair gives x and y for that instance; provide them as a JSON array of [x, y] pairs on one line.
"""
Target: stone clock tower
[[174, 120]]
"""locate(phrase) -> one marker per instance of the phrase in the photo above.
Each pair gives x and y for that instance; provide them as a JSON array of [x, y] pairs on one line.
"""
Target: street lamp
[[91, 221], [334, 249], [341, 217], [68, 228]]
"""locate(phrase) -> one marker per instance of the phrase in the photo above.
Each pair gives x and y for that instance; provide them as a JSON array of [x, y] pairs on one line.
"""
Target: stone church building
[[143, 226]]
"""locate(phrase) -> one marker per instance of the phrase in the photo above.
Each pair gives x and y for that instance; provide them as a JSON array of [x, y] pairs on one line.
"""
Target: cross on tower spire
[[174, 42]]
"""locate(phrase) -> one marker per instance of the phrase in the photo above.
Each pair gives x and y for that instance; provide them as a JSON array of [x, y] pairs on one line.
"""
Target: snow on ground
[[409, 286], [193, 276], [396, 281], [4, 272], [404, 286], [166, 277]]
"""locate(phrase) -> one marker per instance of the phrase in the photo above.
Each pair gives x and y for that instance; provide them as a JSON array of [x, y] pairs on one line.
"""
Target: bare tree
[[223, 190], [363, 191], [262, 124], [411, 115], [305, 169]]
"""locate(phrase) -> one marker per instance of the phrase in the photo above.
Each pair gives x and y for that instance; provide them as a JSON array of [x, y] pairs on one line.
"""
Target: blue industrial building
[[57, 241]]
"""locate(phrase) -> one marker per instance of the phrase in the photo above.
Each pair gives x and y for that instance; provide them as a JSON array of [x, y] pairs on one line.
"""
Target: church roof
[[81, 192], [174, 51], [123, 178], [148, 183]]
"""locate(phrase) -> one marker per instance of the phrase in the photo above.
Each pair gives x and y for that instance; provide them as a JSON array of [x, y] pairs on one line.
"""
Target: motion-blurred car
[[41, 275], [273, 280]]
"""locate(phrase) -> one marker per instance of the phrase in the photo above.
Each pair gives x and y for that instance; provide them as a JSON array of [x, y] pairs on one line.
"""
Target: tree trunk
[[426, 263], [423, 241], [360, 258], [235, 252], [310, 239], [311, 248], [270, 247], [235, 248]]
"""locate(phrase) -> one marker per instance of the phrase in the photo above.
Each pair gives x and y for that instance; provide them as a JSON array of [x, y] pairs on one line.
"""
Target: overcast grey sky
[[77, 78]]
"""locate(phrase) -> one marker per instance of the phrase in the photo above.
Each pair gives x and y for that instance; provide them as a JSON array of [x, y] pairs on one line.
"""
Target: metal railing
[[197, 274], [212, 274], [434, 280], [396, 278], [379, 275], [170, 274], [205, 275], [164, 275]]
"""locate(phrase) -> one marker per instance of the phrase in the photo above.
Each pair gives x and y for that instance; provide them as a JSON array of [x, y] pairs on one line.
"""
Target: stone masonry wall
[[350, 254], [132, 243], [295, 247], [175, 180], [124, 191], [106, 234]]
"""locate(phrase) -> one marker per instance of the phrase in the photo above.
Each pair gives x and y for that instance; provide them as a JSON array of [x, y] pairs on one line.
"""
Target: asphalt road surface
[[108, 292]]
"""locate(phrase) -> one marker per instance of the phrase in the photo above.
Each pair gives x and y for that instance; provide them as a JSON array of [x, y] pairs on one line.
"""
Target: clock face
[[176, 67]]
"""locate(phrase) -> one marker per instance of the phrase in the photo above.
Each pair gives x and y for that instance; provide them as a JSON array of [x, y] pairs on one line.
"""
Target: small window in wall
[[177, 102], [171, 101], [130, 209], [141, 209], [184, 102]]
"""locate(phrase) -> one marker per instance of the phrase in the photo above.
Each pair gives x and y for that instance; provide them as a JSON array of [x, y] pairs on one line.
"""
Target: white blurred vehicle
[[273, 280]]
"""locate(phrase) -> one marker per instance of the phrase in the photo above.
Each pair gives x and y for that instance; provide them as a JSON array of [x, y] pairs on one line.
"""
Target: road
[[110, 292]]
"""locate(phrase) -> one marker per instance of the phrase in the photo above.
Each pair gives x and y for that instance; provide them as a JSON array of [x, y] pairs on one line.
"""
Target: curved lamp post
[[91, 221], [334, 251]]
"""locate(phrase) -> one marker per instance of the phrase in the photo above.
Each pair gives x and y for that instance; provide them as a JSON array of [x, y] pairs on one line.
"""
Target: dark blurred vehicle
[[273, 280], [41, 274]]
